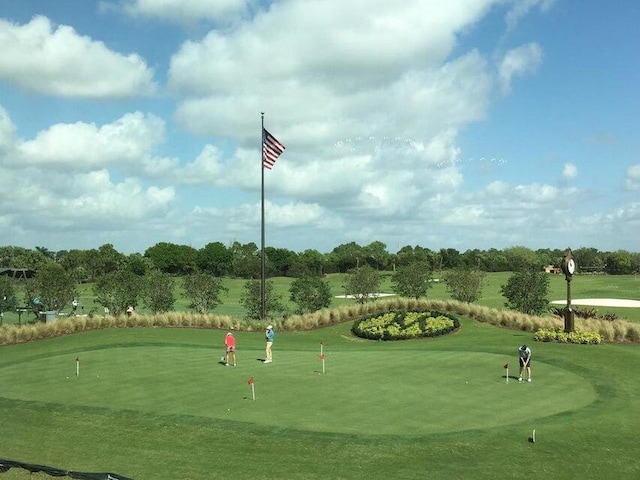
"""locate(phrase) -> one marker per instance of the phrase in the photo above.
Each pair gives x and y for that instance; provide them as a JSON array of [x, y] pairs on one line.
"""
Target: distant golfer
[[524, 353], [268, 335], [230, 349]]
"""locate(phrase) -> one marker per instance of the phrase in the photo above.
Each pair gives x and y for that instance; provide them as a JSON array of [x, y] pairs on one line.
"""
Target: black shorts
[[522, 362]]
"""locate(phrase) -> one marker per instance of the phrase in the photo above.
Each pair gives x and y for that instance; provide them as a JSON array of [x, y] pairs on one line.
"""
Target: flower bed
[[402, 325]]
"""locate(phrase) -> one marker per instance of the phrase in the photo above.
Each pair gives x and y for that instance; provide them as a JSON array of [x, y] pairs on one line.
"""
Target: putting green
[[404, 392]]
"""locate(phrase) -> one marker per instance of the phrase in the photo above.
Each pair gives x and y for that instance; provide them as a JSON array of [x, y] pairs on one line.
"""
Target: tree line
[[149, 279], [244, 260]]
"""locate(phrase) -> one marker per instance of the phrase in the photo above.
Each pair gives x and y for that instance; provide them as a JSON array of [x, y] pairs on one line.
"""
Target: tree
[[363, 283], [522, 258], [8, 300], [215, 259], [251, 300], [280, 260], [139, 264], [172, 258], [620, 262], [588, 259], [76, 263], [450, 258], [314, 262], [377, 255], [526, 291], [412, 280], [465, 284], [246, 260], [310, 293], [347, 256], [54, 287], [117, 290], [104, 260], [204, 291], [157, 292]]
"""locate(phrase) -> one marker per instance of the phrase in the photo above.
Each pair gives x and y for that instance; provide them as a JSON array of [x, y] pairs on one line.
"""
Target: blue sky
[[464, 124]]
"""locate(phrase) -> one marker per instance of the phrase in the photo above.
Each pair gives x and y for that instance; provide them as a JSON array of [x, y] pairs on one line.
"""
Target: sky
[[463, 124]]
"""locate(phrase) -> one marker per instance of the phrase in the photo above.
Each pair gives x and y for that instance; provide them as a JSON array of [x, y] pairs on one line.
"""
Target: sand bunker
[[375, 295], [601, 302]]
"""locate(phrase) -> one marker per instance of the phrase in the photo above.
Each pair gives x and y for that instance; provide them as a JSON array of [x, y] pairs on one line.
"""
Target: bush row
[[618, 331], [560, 336]]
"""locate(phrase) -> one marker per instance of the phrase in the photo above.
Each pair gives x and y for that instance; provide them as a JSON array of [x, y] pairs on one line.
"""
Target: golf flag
[[506, 365], [271, 149], [253, 388]]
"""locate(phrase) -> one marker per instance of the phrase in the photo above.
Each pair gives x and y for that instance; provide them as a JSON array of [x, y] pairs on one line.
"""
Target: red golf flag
[[506, 365], [250, 382], [320, 357]]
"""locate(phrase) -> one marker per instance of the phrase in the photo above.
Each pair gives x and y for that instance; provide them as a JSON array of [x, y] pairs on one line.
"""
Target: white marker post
[[253, 388], [533, 436], [321, 356], [77, 366], [506, 368]]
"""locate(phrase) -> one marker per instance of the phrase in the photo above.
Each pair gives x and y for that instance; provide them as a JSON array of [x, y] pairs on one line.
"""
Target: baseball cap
[[270, 327]]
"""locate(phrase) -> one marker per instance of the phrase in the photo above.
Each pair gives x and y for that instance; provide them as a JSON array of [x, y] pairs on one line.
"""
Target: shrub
[[560, 336]]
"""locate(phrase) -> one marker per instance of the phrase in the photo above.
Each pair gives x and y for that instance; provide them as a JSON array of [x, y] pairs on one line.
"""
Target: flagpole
[[262, 262]]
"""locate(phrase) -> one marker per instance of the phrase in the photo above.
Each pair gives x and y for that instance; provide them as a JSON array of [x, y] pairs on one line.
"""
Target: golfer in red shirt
[[230, 348]]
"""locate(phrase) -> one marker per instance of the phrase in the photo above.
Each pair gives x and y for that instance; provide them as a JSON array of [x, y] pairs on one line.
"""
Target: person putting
[[524, 354], [268, 335], [230, 348]]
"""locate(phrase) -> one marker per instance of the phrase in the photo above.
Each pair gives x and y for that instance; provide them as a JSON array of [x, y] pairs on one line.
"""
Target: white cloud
[[517, 62], [7, 131], [58, 61], [522, 7], [182, 11], [632, 180], [81, 146], [570, 171]]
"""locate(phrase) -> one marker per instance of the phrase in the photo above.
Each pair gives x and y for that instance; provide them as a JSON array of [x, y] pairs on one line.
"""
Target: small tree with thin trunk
[[465, 284], [526, 292], [310, 293], [363, 283], [412, 280], [204, 291], [158, 292], [251, 300]]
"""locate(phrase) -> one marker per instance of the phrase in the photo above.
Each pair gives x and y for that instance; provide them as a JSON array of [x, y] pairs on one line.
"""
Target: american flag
[[271, 149]]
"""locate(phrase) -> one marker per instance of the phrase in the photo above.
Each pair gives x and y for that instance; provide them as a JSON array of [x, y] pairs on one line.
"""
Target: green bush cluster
[[402, 325], [560, 336]]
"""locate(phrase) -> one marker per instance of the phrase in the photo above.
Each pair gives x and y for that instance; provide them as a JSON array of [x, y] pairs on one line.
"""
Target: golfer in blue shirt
[[268, 335]]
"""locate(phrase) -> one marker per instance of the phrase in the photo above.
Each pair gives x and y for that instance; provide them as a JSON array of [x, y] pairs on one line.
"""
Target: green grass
[[583, 286], [155, 404]]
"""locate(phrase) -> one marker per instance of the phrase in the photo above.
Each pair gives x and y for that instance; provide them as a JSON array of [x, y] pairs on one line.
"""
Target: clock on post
[[568, 268]]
